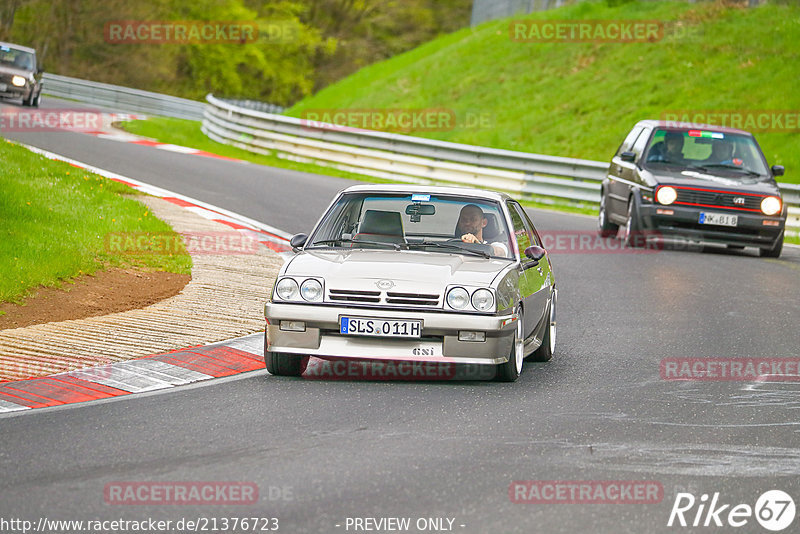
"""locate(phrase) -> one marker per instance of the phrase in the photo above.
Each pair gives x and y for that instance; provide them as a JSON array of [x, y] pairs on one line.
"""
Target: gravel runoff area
[[225, 299]]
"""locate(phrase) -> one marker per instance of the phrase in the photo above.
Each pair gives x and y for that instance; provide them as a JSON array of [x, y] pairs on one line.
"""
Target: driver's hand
[[469, 238]]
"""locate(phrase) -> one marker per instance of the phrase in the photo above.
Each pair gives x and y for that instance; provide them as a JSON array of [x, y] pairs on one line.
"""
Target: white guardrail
[[547, 179], [121, 98]]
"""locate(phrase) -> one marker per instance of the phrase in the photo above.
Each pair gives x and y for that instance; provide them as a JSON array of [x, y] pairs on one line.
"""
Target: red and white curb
[[271, 237], [136, 140], [160, 371]]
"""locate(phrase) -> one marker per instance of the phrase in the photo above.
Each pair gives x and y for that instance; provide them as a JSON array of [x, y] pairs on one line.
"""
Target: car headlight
[[458, 298], [771, 205], [18, 81], [311, 290], [482, 300], [287, 289], [666, 195]]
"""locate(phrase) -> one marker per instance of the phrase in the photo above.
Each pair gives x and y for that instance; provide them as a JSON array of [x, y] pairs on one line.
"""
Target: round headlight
[[287, 289], [482, 300], [771, 205], [18, 81], [666, 195], [311, 290], [458, 298]]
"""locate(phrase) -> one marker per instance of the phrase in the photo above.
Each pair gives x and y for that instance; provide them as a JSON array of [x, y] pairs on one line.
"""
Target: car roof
[[428, 189], [679, 125], [18, 47]]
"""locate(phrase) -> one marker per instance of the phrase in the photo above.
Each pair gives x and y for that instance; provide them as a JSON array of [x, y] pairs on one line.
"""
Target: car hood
[[689, 178], [11, 71], [409, 271]]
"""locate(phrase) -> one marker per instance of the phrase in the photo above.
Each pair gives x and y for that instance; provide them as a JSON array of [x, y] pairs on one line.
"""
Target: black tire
[[510, 371], [548, 347], [604, 227], [280, 364], [772, 252], [632, 236], [35, 101]]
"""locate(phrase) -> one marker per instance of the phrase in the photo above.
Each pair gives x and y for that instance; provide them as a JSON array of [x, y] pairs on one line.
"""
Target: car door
[[534, 278], [619, 173]]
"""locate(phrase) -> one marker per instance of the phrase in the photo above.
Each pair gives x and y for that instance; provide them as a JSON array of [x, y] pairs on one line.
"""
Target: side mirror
[[535, 253], [778, 170], [628, 156], [297, 242]]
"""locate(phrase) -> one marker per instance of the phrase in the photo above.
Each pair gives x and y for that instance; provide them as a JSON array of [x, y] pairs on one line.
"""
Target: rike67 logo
[[774, 510]]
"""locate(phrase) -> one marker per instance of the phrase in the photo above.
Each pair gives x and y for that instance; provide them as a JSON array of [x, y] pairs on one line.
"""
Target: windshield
[[436, 223], [705, 150], [18, 59]]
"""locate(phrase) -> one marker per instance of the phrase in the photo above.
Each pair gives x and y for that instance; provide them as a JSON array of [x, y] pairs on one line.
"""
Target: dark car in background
[[20, 75], [696, 183]]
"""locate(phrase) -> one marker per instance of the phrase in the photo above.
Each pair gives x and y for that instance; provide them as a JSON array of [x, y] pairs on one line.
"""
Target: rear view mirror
[[628, 156], [298, 241], [535, 253], [417, 210], [777, 170]]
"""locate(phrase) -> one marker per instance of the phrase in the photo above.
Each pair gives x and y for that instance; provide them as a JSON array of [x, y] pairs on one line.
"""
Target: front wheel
[[510, 371], [280, 364], [548, 347], [772, 252], [631, 236]]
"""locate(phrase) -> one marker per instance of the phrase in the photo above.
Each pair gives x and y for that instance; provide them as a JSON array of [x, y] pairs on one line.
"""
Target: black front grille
[[719, 199], [349, 295], [412, 299]]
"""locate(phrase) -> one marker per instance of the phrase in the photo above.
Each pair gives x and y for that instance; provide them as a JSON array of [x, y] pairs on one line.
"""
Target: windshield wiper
[[450, 246], [731, 167], [396, 246]]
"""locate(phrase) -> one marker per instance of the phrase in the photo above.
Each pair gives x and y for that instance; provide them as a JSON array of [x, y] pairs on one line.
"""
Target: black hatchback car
[[693, 182]]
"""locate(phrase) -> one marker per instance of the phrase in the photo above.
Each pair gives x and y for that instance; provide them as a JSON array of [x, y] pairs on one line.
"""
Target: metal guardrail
[[547, 179], [121, 98]]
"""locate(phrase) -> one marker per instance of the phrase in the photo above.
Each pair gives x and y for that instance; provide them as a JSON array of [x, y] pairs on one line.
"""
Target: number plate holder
[[385, 328]]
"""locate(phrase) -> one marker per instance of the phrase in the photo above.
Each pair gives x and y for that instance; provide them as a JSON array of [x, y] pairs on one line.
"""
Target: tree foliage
[[304, 44]]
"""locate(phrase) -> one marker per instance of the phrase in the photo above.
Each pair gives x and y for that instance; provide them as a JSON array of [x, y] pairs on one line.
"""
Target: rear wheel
[[510, 371], [280, 364], [604, 227], [772, 252], [548, 347]]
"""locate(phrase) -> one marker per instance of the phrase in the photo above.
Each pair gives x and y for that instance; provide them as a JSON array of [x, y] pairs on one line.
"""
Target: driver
[[722, 154], [472, 221], [670, 150]]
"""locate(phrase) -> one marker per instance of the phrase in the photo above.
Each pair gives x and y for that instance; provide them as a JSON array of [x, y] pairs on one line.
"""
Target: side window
[[522, 234], [628, 142], [641, 143]]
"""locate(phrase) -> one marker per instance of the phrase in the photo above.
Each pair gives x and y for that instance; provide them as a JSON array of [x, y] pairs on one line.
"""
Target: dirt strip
[[224, 299]]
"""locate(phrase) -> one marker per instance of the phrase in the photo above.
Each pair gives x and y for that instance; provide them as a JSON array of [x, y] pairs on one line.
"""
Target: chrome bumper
[[439, 341]]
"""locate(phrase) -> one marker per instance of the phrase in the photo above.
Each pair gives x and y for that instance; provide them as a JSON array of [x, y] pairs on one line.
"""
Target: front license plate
[[3, 87], [390, 328], [720, 219]]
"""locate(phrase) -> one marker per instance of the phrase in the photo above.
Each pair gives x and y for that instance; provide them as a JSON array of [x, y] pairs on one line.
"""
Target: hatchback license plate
[[390, 328], [3, 87], [720, 219]]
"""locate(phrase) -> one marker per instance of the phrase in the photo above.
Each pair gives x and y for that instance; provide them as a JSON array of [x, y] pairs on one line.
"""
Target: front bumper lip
[[684, 222], [439, 341]]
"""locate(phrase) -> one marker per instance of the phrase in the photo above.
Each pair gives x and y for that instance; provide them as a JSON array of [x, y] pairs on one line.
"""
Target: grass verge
[[54, 219]]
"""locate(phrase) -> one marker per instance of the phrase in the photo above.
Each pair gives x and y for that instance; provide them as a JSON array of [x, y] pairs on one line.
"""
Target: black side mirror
[[535, 253], [297, 242], [628, 156], [778, 170]]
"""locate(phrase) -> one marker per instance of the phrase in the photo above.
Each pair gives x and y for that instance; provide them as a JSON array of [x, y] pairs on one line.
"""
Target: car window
[[728, 153], [19, 59], [641, 143], [522, 230], [629, 140], [369, 220]]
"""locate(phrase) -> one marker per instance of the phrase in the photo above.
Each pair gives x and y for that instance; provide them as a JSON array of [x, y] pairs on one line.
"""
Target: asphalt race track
[[321, 452]]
